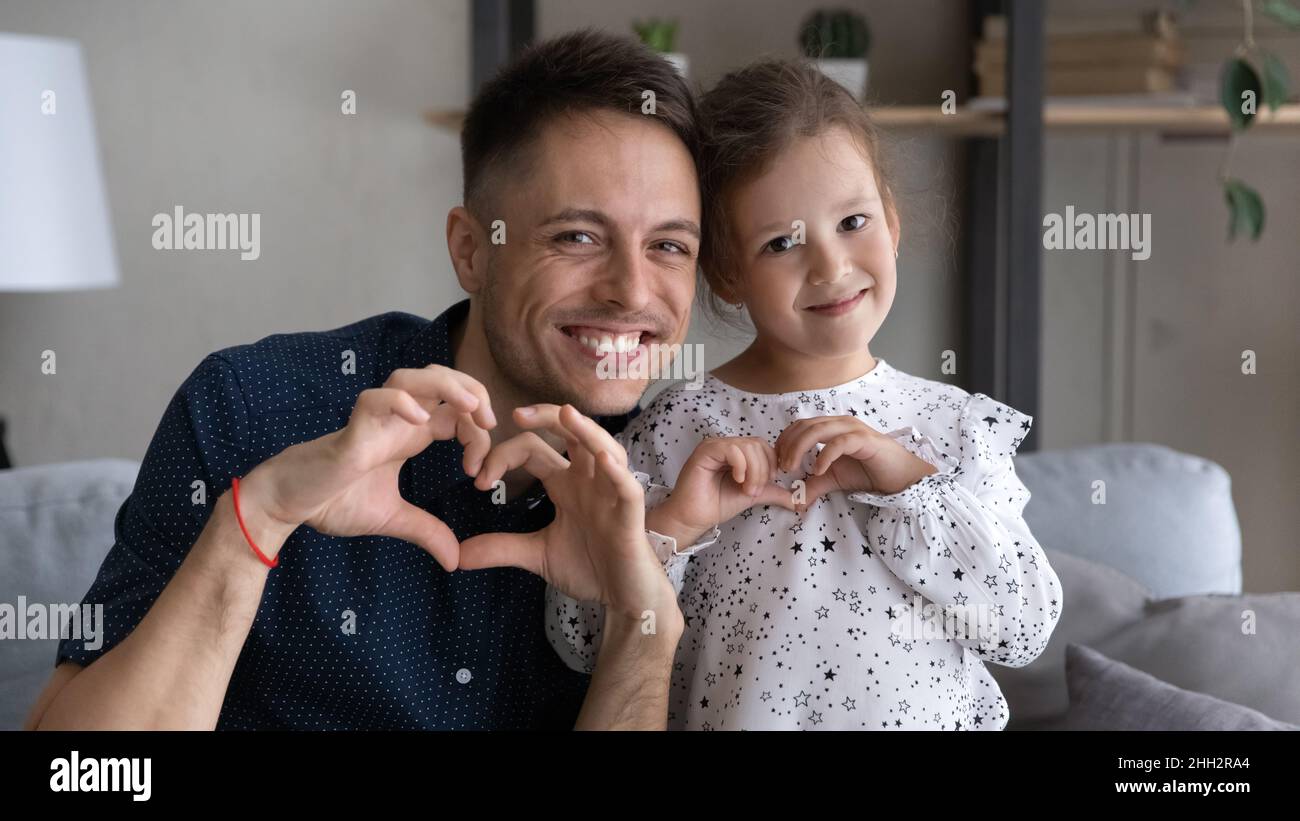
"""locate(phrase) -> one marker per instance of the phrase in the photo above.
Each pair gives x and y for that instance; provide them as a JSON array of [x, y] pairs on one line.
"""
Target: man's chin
[[608, 397]]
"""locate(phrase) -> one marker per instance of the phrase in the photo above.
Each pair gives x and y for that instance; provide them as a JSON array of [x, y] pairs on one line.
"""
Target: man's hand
[[724, 477], [856, 457], [345, 483], [595, 549]]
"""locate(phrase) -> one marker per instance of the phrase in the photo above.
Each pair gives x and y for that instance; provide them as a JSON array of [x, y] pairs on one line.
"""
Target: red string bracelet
[[234, 488]]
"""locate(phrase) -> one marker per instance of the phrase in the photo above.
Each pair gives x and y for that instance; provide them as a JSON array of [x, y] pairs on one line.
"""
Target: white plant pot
[[680, 62], [850, 73]]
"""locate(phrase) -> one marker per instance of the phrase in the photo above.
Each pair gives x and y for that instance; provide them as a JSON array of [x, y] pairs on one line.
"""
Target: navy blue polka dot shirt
[[352, 633]]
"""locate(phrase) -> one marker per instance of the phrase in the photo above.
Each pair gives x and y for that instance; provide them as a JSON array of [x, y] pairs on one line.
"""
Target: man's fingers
[[443, 384], [527, 450], [426, 531], [522, 550], [621, 481], [592, 436], [477, 443]]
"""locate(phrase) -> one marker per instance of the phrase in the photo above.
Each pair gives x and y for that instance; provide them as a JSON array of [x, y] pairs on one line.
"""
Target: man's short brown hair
[[584, 70]]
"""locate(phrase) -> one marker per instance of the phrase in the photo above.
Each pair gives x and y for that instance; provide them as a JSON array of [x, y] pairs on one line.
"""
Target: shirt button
[[463, 676]]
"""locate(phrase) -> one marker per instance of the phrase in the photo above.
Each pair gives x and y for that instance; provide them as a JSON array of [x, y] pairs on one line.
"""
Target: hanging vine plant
[[1253, 76]]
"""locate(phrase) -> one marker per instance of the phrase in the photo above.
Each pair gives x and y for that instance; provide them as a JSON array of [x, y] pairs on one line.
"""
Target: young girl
[[856, 546]]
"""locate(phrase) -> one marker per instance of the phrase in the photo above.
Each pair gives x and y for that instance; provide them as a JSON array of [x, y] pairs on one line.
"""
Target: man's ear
[[466, 243]]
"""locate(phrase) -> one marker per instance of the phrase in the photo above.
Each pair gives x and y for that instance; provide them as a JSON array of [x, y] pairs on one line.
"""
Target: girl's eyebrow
[[849, 203]]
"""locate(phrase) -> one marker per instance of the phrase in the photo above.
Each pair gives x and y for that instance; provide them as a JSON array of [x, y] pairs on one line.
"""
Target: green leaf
[[1277, 81], [1236, 80], [1245, 209], [1283, 12]]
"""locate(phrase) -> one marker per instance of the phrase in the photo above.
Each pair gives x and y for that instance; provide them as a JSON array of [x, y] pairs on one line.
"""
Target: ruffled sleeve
[[574, 628], [958, 538]]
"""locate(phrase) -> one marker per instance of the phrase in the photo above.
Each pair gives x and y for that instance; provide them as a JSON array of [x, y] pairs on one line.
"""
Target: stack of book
[[1096, 56]]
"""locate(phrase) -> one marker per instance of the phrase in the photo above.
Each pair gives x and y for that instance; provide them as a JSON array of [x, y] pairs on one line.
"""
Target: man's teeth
[[611, 344]]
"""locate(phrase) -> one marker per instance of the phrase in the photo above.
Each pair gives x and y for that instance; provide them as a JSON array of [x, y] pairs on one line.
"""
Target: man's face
[[599, 260]]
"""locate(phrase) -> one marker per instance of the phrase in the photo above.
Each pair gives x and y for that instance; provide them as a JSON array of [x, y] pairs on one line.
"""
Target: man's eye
[[576, 237], [674, 247], [779, 244], [854, 222]]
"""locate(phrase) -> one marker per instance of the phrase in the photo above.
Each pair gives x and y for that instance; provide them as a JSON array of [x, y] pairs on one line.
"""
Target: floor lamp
[[55, 231]]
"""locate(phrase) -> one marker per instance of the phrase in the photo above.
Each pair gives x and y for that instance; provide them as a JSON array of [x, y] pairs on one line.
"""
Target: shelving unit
[[967, 122]]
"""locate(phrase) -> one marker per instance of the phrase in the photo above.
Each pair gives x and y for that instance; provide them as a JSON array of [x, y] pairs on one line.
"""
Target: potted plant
[[838, 41], [661, 35]]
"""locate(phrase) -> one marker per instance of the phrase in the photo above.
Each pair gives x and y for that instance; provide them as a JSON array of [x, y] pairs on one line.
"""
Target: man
[[579, 223]]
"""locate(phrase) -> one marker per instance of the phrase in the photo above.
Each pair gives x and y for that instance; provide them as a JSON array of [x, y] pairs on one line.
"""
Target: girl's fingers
[[736, 459], [834, 449], [776, 495], [758, 470], [805, 440]]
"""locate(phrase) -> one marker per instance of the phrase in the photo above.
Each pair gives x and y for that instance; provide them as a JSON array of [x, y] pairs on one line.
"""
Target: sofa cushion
[[1168, 520], [1098, 600], [56, 526], [1108, 695], [1242, 649]]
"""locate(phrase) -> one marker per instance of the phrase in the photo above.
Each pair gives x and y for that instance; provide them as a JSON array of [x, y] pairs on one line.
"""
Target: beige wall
[[235, 106], [1151, 350]]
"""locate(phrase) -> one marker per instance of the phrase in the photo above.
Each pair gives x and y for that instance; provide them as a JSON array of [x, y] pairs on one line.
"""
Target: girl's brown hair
[[746, 120]]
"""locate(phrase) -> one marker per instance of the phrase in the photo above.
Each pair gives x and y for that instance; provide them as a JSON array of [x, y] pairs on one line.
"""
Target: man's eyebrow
[[685, 225], [577, 215], [595, 217]]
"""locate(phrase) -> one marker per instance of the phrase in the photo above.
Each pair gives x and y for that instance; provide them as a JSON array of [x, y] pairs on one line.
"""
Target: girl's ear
[[891, 219]]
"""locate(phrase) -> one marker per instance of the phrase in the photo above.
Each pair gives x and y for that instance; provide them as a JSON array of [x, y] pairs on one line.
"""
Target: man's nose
[[625, 282]]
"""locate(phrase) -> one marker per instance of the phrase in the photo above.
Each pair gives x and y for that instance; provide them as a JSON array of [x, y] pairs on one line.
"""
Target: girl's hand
[[856, 457], [724, 477]]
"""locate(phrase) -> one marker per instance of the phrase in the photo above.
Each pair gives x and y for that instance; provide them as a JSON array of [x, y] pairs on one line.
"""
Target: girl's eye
[[854, 222], [779, 244]]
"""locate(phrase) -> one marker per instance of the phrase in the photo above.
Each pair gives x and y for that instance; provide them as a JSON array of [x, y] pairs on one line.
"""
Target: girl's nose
[[828, 265]]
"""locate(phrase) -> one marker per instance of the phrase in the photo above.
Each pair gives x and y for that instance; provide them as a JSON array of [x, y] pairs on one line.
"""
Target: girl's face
[[815, 249]]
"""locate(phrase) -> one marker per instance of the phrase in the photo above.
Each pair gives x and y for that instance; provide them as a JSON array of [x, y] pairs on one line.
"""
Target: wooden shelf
[[967, 122]]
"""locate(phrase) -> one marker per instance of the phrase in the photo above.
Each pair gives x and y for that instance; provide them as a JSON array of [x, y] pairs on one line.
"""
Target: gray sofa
[[1151, 581]]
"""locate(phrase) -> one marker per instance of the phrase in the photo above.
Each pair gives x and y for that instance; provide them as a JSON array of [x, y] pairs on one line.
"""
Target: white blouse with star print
[[867, 612]]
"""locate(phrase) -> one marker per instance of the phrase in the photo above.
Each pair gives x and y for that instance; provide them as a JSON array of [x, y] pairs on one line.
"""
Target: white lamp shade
[[55, 232]]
